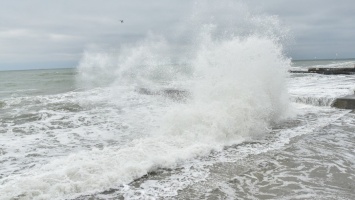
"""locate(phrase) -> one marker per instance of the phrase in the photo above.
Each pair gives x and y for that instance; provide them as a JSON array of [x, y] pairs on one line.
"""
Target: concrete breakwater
[[327, 71], [346, 102]]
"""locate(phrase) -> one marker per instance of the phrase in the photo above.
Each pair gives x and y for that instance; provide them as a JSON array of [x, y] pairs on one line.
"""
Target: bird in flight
[[121, 21]]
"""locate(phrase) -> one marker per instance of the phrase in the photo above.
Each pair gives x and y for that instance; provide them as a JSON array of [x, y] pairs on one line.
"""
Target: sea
[[61, 141], [211, 112]]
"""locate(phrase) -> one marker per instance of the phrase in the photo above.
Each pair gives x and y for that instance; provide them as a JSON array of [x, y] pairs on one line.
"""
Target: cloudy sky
[[51, 34]]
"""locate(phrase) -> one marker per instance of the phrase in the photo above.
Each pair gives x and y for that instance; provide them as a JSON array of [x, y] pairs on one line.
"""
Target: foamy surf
[[319, 90], [236, 78]]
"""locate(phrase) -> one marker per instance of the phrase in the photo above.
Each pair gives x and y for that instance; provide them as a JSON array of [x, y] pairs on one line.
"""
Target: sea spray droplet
[[233, 69]]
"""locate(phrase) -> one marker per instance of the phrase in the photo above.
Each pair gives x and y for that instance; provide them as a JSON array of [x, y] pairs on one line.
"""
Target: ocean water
[[221, 120]]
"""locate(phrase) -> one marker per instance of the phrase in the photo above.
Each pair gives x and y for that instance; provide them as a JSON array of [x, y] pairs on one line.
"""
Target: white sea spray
[[234, 72]]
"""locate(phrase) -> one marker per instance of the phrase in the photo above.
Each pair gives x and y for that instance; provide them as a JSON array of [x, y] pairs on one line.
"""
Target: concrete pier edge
[[346, 102], [328, 71]]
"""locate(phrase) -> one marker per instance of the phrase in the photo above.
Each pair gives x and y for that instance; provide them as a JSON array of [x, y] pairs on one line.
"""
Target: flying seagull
[[121, 21]]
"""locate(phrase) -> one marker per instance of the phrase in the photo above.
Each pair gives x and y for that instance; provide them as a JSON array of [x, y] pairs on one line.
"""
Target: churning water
[[218, 117]]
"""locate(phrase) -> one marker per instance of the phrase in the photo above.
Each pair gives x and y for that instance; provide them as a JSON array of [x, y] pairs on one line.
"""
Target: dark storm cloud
[[38, 32]]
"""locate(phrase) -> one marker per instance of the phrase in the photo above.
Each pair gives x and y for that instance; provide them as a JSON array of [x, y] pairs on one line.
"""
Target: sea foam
[[235, 72]]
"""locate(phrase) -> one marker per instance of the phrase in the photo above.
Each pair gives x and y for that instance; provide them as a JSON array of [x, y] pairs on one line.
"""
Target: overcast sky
[[51, 34]]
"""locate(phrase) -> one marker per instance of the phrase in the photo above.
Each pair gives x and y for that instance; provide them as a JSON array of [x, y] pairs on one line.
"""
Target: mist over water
[[172, 57], [232, 69], [232, 62]]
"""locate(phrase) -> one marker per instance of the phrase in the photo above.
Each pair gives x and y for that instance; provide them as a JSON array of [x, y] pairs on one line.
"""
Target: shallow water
[[319, 165], [316, 163]]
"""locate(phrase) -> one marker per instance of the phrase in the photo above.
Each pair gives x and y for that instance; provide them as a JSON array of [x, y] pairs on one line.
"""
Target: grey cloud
[[321, 28], [37, 30], [59, 31]]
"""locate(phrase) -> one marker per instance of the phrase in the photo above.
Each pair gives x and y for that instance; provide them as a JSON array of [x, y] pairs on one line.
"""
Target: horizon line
[[73, 67]]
